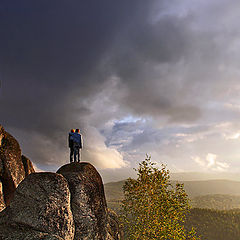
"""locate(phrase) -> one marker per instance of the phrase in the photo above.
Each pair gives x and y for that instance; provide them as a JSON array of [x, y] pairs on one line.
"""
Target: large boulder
[[40, 209], [12, 170], [88, 201]]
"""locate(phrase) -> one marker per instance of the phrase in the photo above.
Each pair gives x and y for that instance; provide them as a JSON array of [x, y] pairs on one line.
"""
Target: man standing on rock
[[77, 144], [70, 144]]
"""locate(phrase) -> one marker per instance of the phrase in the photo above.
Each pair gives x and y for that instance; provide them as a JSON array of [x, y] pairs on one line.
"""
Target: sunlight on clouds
[[211, 163], [235, 107], [211, 159], [233, 137], [223, 125], [199, 161], [190, 138], [105, 157], [94, 151], [228, 130], [97, 153]]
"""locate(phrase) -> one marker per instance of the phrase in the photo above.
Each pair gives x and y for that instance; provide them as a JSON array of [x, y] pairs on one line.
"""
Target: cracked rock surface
[[40, 207]]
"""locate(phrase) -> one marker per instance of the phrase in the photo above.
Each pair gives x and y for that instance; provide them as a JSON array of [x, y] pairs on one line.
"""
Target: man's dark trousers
[[76, 154], [71, 154]]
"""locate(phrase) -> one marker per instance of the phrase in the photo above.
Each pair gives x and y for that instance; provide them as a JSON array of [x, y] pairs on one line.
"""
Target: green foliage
[[152, 207]]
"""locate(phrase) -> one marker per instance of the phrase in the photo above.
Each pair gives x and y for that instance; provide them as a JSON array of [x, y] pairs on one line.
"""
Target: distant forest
[[210, 224], [214, 224], [214, 216], [216, 201]]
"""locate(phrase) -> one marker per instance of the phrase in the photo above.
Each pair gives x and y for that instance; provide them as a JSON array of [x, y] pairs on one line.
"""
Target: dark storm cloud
[[146, 57], [49, 62], [49, 49], [67, 64], [50, 55]]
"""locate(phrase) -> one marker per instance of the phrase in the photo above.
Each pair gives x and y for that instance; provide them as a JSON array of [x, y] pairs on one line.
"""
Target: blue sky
[[137, 77]]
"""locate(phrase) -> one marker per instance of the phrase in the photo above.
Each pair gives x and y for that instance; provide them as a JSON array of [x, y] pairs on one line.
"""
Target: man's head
[[77, 130], [72, 131]]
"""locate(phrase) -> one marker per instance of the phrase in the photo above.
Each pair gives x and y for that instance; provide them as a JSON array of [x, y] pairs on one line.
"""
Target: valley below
[[215, 212]]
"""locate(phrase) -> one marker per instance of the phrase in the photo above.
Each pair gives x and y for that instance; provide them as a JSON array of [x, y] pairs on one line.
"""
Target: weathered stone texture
[[88, 200], [41, 204]]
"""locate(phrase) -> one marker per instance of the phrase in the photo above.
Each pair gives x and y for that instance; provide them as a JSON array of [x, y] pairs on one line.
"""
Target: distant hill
[[211, 224], [113, 190], [197, 188], [217, 194], [200, 176], [216, 201]]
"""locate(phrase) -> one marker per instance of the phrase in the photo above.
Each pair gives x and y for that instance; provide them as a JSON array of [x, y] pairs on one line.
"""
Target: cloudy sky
[[158, 77]]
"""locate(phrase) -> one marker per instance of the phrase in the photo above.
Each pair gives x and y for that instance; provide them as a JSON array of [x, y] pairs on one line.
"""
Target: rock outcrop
[[12, 170], [88, 201], [67, 205], [40, 209]]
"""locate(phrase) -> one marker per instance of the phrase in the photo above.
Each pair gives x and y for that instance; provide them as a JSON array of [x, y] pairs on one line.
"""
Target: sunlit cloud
[[211, 160], [199, 161], [211, 163], [234, 136]]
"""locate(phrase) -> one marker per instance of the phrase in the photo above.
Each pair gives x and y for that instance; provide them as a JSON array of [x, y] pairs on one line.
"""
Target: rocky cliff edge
[[66, 205]]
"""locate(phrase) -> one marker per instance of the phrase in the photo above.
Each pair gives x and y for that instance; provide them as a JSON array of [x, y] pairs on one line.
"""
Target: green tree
[[152, 207]]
